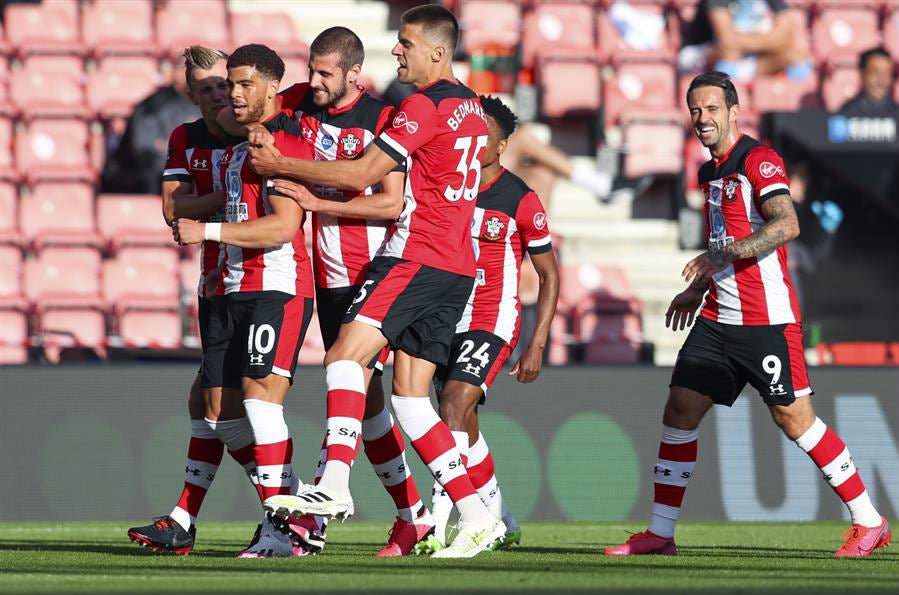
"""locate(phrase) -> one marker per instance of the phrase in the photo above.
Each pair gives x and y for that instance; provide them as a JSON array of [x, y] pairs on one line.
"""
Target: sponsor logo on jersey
[[730, 190], [349, 146], [540, 220], [493, 228], [769, 170], [200, 164], [327, 141], [401, 120]]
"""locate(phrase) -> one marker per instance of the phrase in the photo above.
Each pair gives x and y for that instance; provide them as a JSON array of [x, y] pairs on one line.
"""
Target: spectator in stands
[[135, 165], [874, 100], [743, 38]]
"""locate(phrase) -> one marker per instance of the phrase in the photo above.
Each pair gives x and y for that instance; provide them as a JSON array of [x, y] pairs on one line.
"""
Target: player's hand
[[299, 193], [262, 153], [188, 231], [701, 269], [528, 367], [682, 310]]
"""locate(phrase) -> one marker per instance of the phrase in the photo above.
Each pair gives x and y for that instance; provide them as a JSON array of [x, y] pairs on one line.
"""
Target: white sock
[[489, 493], [236, 434], [267, 420], [417, 417]]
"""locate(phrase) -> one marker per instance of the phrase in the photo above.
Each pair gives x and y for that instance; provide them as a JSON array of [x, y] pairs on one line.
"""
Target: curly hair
[[500, 112], [266, 61]]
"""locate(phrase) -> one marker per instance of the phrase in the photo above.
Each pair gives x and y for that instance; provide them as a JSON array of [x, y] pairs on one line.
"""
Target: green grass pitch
[[715, 557]]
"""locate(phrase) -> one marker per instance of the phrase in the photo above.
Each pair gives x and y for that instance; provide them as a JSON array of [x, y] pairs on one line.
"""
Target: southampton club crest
[[349, 146], [730, 190], [493, 228]]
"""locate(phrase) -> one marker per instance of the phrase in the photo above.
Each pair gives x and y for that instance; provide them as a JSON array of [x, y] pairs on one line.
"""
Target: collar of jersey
[[348, 107], [487, 186], [726, 156]]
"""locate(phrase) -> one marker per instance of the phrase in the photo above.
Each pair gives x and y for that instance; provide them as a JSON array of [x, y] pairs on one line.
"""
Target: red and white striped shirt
[[194, 156], [285, 267], [757, 290], [343, 247], [509, 220]]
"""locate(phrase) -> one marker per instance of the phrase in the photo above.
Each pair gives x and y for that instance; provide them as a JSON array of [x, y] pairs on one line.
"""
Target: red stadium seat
[[119, 83], [694, 156], [557, 30], [653, 148], [48, 27], [275, 29], [177, 25], [10, 275], [860, 354], [312, 352], [14, 339], [54, 148], [840, 35], [9, 213], [490, 22], [129, 282], [119, 27], [647, 89], [189, 273], [781, 94], [126, 219], [840, 85], [569, 88], [64, 277], [559, 339], [7, 169], [49, 86], [613, 47], [587, 287], [612, 352], [69, 328], [59, 214], [156, 328], [891, 33], [6, 107]]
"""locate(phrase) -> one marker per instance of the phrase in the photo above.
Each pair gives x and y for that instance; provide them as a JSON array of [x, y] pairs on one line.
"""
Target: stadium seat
[[11, 275], [49, 86], [189, 274], [68, 328], [6, 108], [559, 340], [48, 27], [653, 148], [569, 88], [593, 326], [118, 27], [781, 94], [312, 352], [891, 32], [118, 83], [64, 277], [14, 338], [9, 213], [7, 168], [129, 282], [489, 22], [177, 25], [132, 219], [58, 213], [595, 288], [839, 35], [613, 47], [612, 352], [54, 148], [296, 70], [840, 85], [557, 30], [156, 328], [859, 354], [647, 89], [694, 156], [280, 32]]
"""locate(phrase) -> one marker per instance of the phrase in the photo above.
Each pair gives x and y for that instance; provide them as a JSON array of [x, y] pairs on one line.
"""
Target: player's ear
[[734, 112], [501, 146], [353, 74], [437, 53], [273, 87]]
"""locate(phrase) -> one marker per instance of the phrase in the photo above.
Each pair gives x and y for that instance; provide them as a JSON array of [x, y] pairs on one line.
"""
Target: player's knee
[[456, 410], [195, 405], [793, 421], [684, 410]]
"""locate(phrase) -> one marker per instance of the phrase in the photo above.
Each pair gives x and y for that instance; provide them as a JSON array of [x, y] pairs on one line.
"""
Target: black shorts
[[416, 306], [332, 305], [253, 335], [205, 307], [476, 358], [718, 360]]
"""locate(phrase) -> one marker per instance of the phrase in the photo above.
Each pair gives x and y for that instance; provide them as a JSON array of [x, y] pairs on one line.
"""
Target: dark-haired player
[[192, 188], [509, 222], [256, 334], [414, 294], [748, 330]]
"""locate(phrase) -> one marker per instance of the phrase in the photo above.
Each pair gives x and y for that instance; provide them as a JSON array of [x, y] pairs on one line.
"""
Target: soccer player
[[192, 188], [748, 330], [509, 221], [414, 293], [256, 333], [341, 120]]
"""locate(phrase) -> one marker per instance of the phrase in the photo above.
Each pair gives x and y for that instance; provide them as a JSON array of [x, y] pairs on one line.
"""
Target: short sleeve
[[290, 98], [384, 119], [293, 146], [531, 222], [766, 172], [176, 166], [414, 124]]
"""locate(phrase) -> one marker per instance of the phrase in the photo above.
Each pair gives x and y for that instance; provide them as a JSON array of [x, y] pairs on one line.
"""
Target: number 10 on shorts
[[260, 341]]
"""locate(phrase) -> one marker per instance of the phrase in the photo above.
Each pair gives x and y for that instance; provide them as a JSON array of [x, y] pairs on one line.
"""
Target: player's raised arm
[[387, 204]]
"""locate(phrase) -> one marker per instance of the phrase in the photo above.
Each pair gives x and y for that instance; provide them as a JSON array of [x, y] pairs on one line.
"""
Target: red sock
[[273, 467], [384, 448], [204, 454], [245, 458], [345, 408], [673, 470]]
